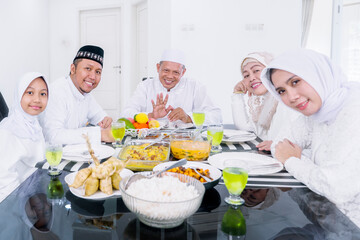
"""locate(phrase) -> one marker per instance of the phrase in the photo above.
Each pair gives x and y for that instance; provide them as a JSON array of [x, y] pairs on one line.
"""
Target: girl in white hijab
[[22, 142], [321, 148], [262, 114]]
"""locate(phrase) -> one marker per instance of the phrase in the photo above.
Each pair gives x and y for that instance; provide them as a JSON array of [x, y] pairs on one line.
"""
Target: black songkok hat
[[91, 52]]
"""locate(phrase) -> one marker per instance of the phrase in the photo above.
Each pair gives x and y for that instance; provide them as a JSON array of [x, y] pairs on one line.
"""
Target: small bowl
[[140, 161], [184, 145], [164, 214]]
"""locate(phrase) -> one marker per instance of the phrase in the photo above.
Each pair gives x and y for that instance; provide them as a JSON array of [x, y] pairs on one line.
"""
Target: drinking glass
[[235, 179], [53, 154], [118, 132], [233, 222], [199, 119], [215, 132]]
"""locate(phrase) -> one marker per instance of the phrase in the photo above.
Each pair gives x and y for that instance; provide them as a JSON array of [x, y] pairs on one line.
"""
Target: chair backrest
[[4, 110], [145, 78]]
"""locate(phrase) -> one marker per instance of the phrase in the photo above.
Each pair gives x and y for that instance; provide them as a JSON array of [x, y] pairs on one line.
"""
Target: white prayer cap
[[173, 55]]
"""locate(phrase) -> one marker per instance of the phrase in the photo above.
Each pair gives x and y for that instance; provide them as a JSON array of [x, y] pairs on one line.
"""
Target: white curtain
[[307, 10]]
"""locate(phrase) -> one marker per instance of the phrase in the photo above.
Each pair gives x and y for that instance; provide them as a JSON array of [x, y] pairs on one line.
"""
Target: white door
[[101, 27], [141, 42]]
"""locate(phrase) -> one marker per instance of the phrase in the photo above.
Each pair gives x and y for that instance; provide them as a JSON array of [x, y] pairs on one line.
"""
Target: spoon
[[159, 139], [136, 177]]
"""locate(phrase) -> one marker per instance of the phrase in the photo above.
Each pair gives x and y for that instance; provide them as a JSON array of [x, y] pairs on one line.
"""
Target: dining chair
[[4, 110]]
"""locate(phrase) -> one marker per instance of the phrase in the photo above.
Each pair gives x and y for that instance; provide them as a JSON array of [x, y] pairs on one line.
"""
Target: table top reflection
[[44, 208]]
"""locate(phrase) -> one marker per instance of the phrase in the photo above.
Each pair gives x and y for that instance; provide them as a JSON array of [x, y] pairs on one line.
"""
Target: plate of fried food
[[196, 170], [99, 181]]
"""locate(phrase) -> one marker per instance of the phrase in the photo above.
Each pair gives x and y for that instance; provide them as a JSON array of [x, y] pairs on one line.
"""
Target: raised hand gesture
[[159, 108]]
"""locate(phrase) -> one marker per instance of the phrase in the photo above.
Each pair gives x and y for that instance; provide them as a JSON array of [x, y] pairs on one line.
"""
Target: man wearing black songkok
[[72, 107]]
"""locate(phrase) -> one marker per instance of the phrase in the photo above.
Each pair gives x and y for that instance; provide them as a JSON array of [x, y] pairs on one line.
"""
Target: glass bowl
[[164, 214], [144, 160], [185, 145]]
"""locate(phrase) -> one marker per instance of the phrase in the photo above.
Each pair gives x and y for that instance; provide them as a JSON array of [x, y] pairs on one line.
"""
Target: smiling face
[[251, 73], [170, 73], [296, 93], [85, 74], [35, 97]]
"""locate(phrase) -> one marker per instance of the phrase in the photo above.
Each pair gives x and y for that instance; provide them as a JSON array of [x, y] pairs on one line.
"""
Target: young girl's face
[[35, 97], [296, 93]]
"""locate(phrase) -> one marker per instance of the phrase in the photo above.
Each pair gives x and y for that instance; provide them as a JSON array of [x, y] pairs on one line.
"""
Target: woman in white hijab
[[321, 148], [22, 142], [262, 114]]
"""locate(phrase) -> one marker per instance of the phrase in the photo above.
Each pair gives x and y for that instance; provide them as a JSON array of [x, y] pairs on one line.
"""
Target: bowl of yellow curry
[[140, 159], [184, 145]]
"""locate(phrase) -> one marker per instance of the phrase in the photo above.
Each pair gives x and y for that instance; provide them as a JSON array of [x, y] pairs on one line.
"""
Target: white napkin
[[237, 135]]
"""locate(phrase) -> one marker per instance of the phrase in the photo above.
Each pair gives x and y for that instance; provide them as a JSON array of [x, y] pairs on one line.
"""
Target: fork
[[262, 166]]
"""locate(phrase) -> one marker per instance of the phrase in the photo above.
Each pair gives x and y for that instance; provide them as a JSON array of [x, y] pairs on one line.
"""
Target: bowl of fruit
[[140, 126]]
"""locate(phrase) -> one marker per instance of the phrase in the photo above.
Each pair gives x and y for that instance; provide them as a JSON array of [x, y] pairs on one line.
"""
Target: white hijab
[[18, 122], [262, 108], [317, 70]]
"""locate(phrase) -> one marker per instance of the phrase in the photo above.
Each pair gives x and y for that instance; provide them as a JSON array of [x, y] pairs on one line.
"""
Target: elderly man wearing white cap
[[172, 95]]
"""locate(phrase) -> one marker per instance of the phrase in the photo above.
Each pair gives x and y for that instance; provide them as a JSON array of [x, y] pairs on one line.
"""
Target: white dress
[[20, 156], [188, 94], [68, 112], [330, 161], [268, 123]]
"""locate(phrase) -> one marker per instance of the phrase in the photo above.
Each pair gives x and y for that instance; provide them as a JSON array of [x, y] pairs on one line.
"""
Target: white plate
[[237, 136], [246, 160], [80, 153], [80, 192], [215, 173]]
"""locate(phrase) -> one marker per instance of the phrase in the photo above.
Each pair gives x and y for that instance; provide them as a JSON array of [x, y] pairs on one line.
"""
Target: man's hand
[[106, 122], [179, 114], [286, 149], [106, 135], [265, 145], [159, 108]]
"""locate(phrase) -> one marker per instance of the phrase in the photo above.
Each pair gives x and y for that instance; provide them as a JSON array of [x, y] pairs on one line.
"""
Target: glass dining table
[[276, 207]]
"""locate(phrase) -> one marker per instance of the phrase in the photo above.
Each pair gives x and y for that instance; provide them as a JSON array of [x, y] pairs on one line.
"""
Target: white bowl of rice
[[163, 202]]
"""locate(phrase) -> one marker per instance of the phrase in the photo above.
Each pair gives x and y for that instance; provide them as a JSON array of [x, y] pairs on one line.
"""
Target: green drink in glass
[[215, 132], [118, 132], [235, 180], [199, 119], [53, 154]]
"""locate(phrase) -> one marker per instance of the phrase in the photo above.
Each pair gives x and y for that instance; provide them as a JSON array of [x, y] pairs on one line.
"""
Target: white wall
[[24, 41], [216, 34]]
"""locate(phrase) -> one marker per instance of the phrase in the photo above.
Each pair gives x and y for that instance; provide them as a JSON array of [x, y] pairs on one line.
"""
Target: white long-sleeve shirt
[[19, 157], [242, 118], [188, 94], [330, 161], [68, 112]]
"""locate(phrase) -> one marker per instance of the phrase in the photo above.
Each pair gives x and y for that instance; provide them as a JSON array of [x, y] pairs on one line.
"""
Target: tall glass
[[53, 154], [118, 132], [233, 222], [215, 132], [235, 180], [199, 119]]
